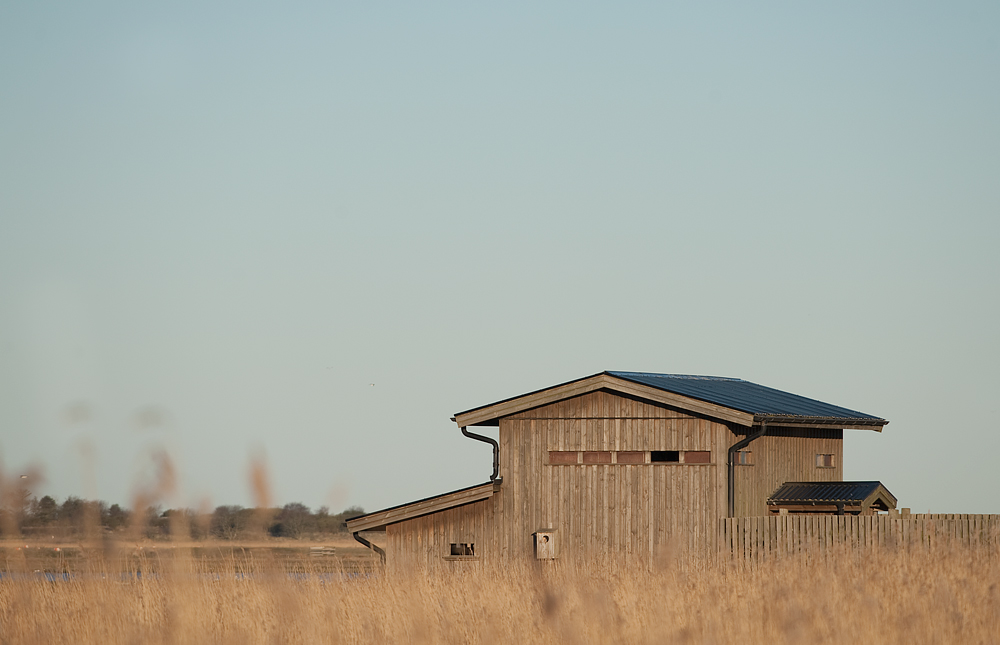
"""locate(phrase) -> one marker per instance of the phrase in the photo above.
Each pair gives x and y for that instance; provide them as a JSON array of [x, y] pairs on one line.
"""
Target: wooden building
[[831, 498], [619, 466]]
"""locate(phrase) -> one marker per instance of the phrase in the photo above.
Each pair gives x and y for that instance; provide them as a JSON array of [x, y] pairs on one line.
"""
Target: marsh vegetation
[[946, 595]]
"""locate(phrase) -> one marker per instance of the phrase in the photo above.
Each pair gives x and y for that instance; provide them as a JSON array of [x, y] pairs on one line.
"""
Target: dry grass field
[[249, 596]]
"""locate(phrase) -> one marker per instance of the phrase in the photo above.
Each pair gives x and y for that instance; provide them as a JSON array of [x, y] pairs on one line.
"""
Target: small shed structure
[[840, 498], [618, 466]]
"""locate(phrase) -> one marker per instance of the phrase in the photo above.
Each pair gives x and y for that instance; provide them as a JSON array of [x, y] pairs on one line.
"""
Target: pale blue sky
[[240, 216]]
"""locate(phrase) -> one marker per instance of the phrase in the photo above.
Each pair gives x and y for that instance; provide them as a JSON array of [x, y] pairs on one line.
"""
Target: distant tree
[[76, 515], [44, 511], [156, 522], [115, 518], [15, 503], [173, 522], [324, 522], [80, 515], [230, 522], [71, 512], [198, 524], [292, 521], [342, 517]]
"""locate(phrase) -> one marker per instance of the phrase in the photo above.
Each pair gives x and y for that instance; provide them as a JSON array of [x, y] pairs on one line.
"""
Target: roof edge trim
[[483, 415], [799, 421], [426, 506]]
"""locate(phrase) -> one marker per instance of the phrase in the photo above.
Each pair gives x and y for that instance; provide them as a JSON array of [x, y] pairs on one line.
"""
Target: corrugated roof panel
[[829, 492], [742, 395]]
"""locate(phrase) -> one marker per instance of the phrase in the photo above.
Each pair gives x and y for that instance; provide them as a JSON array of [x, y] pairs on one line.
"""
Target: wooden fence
[[760, 538]]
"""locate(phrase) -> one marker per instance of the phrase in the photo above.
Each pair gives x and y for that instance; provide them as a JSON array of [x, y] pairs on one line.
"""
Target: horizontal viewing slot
[[631, 457]]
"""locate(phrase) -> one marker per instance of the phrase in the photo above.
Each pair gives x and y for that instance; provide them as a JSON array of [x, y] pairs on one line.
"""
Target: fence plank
[[763, 538]]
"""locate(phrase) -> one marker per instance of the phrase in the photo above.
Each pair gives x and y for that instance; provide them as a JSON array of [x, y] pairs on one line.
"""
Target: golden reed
[[948, 595]]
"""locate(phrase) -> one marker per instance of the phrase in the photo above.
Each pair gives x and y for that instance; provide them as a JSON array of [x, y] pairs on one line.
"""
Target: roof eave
[[799, 421]]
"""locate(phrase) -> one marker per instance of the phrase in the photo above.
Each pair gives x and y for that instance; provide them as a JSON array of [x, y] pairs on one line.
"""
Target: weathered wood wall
[[785, 455], [614, 511], [424, 542], [755, 539]]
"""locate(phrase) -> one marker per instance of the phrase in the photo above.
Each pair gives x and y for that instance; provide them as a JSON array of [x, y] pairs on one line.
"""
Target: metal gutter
[[806, 421], [733, 449], [496, 450], [373, 547]]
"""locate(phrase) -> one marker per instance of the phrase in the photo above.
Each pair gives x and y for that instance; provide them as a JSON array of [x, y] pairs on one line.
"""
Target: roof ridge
[[690, 377]]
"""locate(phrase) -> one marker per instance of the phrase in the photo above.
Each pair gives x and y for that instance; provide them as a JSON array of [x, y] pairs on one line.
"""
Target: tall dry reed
[[941, 596]]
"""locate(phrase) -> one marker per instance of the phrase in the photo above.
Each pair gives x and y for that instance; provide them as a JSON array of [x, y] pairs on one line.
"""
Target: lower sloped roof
[[426, 506], [855, 493]]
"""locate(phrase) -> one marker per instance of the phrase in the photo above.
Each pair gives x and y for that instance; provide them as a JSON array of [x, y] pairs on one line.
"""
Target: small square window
[[744, 458], [665, 456], [825, 461]]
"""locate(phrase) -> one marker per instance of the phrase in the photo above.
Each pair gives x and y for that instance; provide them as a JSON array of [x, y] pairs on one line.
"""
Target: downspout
[[373, 547], [496, 450], [733, 449]]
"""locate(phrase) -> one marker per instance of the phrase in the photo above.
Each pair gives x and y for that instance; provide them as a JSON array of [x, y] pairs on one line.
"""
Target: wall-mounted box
[[545, 544]]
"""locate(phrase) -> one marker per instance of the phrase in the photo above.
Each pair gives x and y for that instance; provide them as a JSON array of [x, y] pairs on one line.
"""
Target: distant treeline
[[75, 517]]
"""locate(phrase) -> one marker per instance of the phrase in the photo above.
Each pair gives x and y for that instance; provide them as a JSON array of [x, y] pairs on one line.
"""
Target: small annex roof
[[729, 399], [380, 519], [861, 494]]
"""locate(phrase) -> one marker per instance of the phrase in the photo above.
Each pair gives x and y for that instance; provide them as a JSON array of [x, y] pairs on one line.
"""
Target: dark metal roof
[[826, 492], [745, 396]]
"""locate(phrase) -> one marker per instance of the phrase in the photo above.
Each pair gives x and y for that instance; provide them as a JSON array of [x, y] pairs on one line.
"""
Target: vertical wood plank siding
[[424, 542], [758, 539], [610, 512], [787, 455]]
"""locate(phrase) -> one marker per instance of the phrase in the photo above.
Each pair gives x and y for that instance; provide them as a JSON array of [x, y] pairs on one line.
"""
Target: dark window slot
[[665, 456], [462, 548]]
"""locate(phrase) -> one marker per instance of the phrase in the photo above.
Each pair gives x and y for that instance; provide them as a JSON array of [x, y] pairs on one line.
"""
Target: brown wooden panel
[[597, 457], [697, 457], [563, 457], [630, 457]]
